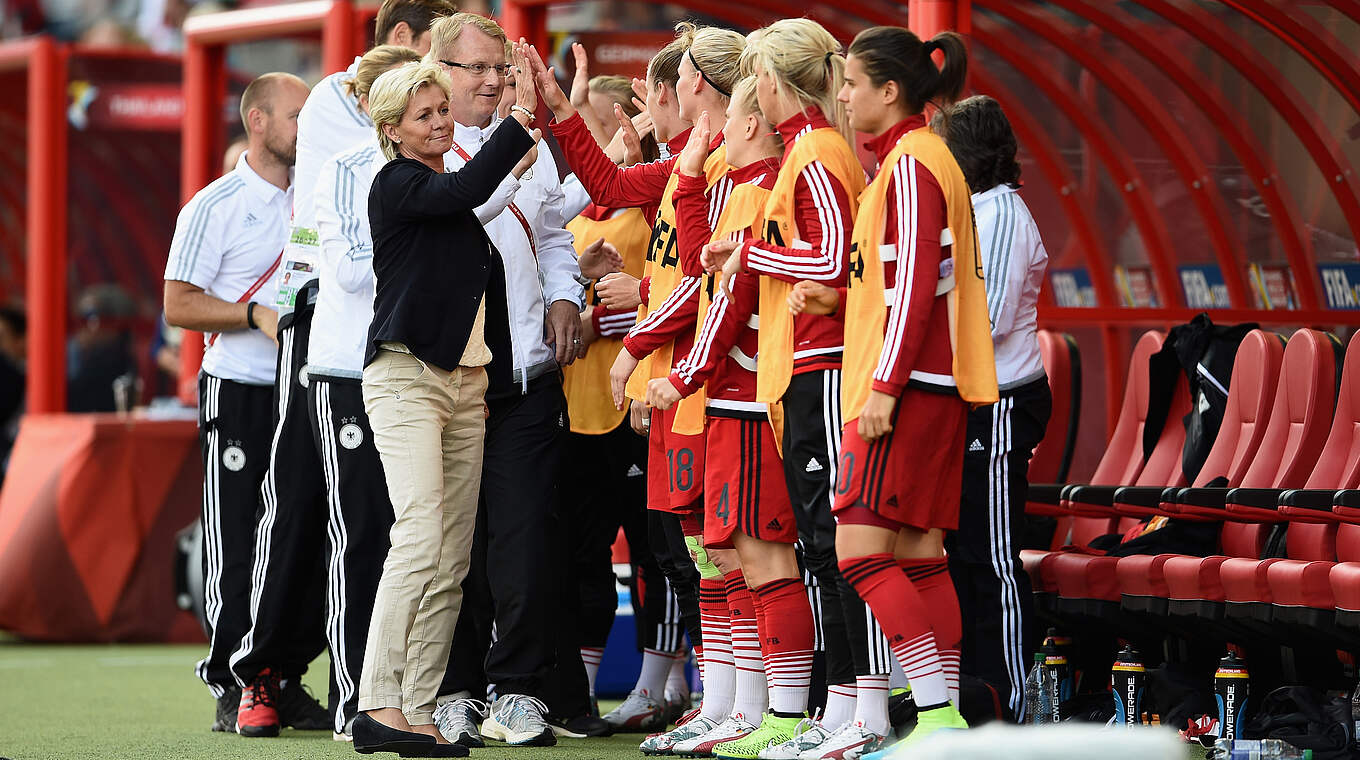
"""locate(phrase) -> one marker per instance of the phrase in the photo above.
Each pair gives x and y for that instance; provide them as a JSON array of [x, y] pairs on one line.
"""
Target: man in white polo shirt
[[219, 280]]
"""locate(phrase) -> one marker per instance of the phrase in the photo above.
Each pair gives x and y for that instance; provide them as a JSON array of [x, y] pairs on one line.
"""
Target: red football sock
[[787, 640], [931, 578], [900, 610]]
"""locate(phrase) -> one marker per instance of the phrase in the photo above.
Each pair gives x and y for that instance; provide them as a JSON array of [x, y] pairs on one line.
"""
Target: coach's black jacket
[[432, 260]]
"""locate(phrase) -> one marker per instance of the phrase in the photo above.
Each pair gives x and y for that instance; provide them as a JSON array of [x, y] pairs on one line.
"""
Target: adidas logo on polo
[[634, 472], [976, 445], [813, 465], [251, 220]]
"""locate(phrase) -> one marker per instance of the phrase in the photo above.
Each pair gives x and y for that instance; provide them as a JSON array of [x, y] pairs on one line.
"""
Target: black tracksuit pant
[[235, 423], [995, 597], [520, 559], [604, 487], [288, 579], [359, 519]]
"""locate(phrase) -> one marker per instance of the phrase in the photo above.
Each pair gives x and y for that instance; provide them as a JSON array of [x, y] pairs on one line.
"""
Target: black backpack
[[1307, 719]]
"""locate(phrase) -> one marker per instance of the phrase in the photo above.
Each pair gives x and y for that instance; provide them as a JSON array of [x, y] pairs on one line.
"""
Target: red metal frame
[[1149, 222], [1294, 111], [1229, 124], [206, 38], [45, 62], [1166, 131], [1317, 46]]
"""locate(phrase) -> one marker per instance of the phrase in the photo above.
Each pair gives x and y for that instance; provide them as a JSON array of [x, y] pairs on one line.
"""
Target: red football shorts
[[744, 488], [675, 466], [913, 475]]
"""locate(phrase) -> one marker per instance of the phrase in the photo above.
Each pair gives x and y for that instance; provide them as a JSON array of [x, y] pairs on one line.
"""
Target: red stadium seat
[[1121, 463], [1289, 435], [1062, 364]]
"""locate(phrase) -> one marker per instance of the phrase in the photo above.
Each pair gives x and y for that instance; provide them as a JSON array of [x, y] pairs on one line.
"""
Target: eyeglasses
[[479, 69]]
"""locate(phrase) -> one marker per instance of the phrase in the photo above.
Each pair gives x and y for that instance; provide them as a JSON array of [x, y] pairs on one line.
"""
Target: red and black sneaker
[[258, 714]]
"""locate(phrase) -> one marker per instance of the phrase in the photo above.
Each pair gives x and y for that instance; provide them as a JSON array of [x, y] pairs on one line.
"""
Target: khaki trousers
[[428, 426]]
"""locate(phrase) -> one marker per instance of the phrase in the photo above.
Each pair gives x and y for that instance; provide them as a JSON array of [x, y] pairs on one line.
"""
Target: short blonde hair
[[744, 100], [374, 63], [391, 94], [805, 61], [445, 31]]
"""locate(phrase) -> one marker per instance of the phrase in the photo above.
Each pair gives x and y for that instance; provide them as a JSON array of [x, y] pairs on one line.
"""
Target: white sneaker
[[850, 742], [519, 720], [735, 727], [662, 744], [809, 734], [457, 721], [638, 713]]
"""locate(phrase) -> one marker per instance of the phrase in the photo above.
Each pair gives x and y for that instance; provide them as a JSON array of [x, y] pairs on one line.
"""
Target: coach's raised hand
[[546, 79]]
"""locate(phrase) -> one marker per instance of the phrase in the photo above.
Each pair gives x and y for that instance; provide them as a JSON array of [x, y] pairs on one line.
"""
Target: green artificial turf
[[142, 701], [129, 702]]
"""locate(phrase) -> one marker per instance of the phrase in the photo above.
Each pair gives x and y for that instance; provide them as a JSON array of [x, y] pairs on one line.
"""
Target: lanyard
[[528, 231], [269, 274]]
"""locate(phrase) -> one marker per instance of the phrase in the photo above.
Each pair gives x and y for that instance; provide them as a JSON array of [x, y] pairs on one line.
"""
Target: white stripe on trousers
[[264, 529], [999, 524], [212, 527], [336, 583], [880, 656], [669, 630]]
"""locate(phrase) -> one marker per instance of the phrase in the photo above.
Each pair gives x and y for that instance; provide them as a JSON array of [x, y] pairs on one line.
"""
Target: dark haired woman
[[984, 554], [912, 366]]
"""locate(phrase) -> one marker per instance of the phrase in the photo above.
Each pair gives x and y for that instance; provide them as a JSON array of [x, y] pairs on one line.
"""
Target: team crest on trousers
[[234, 457], [351, 435]]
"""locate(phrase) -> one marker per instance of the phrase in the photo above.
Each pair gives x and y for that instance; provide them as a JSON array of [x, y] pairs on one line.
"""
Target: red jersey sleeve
[[822, 209], [915, 218], [612, 324], [675, 315], [727, 317], [645, 288], [694, 220], [608, 184]]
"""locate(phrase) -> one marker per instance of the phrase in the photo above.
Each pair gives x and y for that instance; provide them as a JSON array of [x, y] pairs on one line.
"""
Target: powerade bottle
[[1055, 665], [1126, 685], [1231, 687], [1063, 644]]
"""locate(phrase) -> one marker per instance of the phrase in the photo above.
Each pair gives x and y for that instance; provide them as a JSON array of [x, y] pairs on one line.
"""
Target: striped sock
[[840, 705], [750, 692], [900, 610], [786, 639], [931, 578], [591, 657], [871, 703], [719, 676]]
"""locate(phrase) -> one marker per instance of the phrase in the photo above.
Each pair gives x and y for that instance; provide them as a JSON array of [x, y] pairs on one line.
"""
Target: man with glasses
[[515, 556]]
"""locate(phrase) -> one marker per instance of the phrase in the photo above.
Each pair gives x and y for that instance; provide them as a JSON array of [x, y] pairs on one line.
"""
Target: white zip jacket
[[1013, 261], [536, 275]]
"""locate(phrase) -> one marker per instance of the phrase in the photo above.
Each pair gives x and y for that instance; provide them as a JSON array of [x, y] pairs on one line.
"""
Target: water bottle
[[1126, 685], [1231, 687], [1258, 749], [1055, 666], [1038, 694], [1355, 717]]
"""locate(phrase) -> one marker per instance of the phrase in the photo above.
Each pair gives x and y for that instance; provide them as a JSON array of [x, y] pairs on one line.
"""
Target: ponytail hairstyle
[[373, 64], [665, 65], [980, 137], [716, 53], [620, 90], [894, 54], [805, 62]]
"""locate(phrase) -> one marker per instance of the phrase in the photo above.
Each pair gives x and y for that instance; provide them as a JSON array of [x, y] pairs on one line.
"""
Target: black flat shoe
[[371, 736]]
